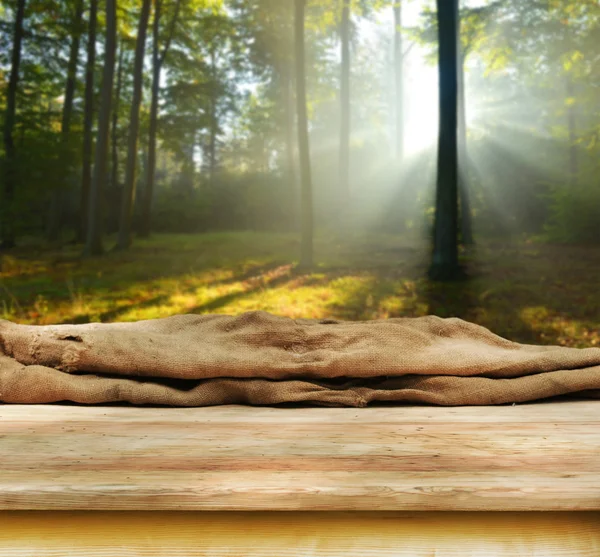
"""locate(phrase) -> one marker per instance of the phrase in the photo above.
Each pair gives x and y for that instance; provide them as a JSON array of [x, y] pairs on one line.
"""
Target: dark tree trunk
[[345, 104], [306, 249], [96, 199], [466, 228], [134, 121], [157, 62], [114, 166], [7, 222], [72, 70], [88, 119], [399, 80], [149, 189], [445, 242], [57, 200], [150, 177]]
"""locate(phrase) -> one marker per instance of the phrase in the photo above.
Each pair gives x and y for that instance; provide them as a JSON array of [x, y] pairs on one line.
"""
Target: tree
[[114, 166], [201, 92], [55, 220], [477, 21], [88, 118], [72, 70], [445, 264], [158, 59], [548, 44], [124, 240], [472, 28], [306, 249], [345, 102], [8, 232], [572, 127], [267, 26], [466, 228], [286, 72], [94, 232]]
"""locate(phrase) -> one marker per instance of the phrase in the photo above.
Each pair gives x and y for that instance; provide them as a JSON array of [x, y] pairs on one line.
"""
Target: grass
[[527, 292]]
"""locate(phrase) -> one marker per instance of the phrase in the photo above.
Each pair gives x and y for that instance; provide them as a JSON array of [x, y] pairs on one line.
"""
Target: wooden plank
[[540, 456], [298, 534]]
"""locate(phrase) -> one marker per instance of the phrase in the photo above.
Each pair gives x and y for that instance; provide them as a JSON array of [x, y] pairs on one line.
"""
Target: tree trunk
[[151, 168], [572, 127], [466, 228], [345, 104], [114, 167], [399, 80], [157, 62], [8, 231], [72, 71], [57, 199], [129, 192], [306, 250], [149, 189], [86, 174], [212, 140], [96, 198], [290, 172], [445, 248], [288, 103]]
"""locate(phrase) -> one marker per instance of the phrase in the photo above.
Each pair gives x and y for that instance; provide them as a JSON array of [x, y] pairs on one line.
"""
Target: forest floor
[[526, 292]]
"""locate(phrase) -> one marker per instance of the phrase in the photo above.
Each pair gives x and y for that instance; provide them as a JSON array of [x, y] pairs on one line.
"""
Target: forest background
[[156, 159]]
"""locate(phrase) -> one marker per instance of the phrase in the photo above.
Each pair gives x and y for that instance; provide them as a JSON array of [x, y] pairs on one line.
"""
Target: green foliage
[[250, 201], [574, 215], [180, 213], [233, 201]]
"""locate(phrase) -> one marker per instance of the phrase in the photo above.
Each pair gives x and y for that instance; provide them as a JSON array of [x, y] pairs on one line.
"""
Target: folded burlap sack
[[260, 359]]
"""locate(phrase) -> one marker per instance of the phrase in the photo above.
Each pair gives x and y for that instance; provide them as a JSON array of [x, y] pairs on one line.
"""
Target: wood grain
[[298, 534], [538, 456]]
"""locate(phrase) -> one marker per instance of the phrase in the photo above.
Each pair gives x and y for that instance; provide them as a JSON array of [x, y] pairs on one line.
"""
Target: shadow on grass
[[293, 278], [254, 274], [259, 278]]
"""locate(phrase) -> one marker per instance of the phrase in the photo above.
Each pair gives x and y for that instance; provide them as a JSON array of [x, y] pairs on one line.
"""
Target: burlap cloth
[[261, 359]]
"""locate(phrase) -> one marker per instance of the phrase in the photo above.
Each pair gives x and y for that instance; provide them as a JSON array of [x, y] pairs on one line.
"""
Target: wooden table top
[[542, 456]]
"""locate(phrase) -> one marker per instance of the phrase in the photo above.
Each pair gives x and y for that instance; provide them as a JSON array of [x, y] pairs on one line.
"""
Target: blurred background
[[220, 156]]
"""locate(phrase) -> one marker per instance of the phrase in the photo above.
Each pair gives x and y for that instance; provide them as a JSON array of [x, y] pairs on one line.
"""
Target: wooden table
[[386, 480]]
